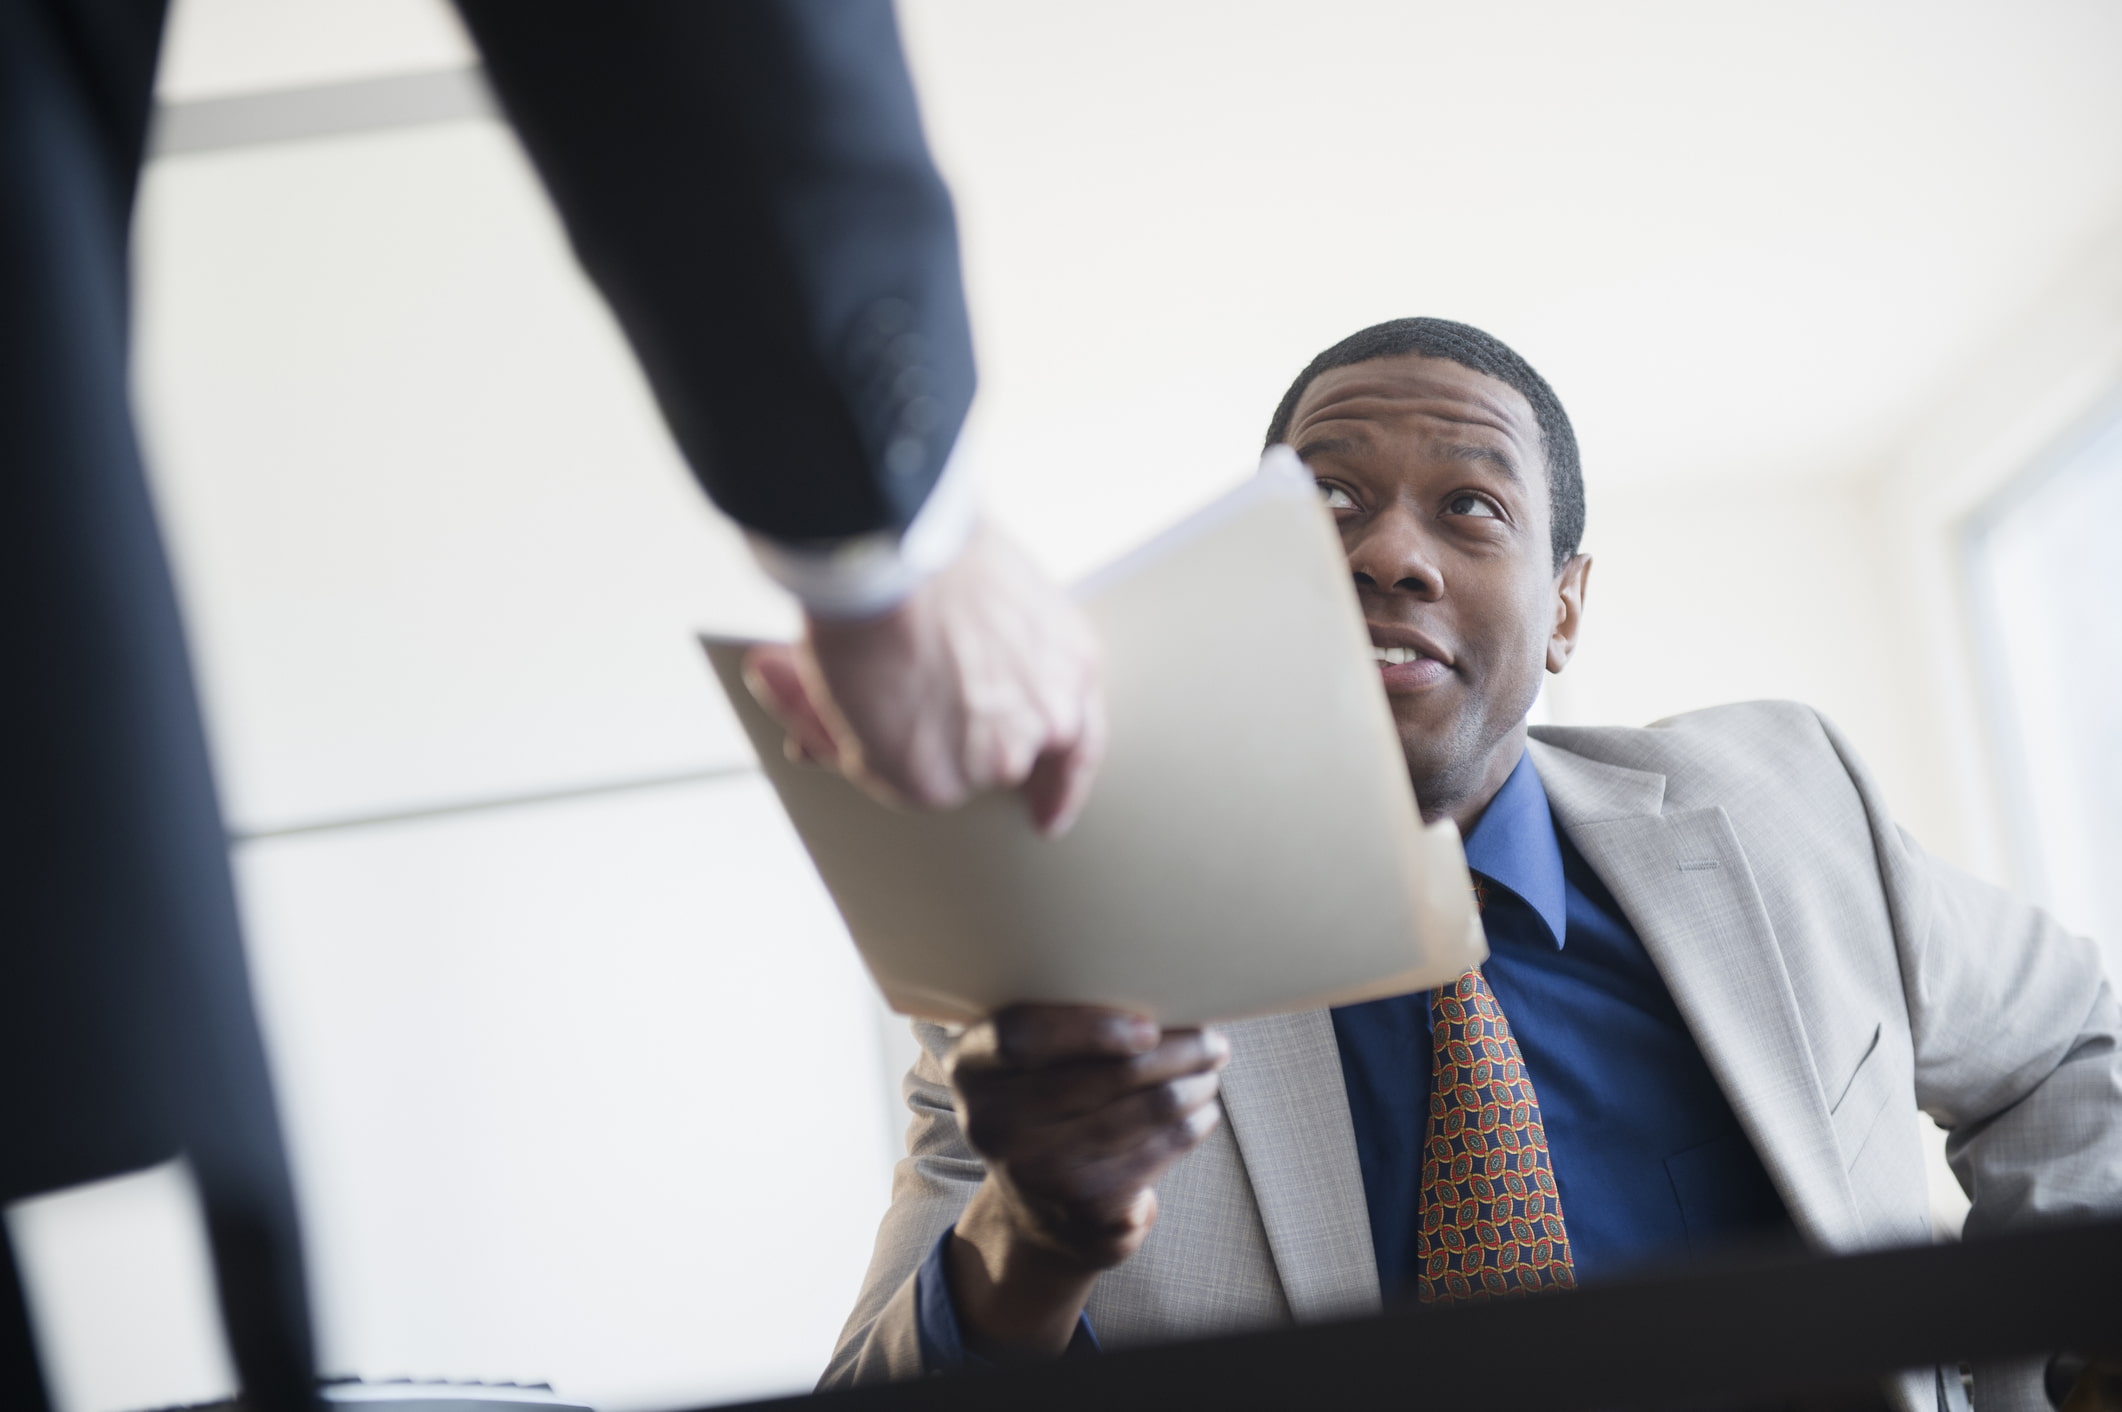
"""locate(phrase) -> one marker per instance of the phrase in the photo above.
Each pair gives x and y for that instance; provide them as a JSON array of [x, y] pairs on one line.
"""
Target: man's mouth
[[1406, 666]]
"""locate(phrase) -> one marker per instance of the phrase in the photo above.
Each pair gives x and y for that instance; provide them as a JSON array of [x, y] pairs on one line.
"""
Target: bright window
[[2043, 555]]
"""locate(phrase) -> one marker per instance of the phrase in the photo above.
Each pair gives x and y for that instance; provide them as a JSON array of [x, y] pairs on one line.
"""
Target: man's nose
[[1394, 551]]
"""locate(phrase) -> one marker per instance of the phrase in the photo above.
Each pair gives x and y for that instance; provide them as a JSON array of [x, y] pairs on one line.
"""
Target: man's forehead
[[1414, 390]]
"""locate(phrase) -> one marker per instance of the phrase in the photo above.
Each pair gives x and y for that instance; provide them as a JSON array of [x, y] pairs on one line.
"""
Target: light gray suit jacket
[[1837, 980]]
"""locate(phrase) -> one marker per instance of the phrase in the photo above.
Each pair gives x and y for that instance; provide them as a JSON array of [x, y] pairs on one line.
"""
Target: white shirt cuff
[[869, 574]]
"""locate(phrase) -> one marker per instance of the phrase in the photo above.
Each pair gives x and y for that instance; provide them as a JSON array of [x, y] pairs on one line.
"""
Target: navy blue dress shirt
[[1649, 1159]]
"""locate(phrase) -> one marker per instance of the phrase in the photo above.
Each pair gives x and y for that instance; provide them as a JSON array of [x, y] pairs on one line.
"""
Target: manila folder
[[1251, 843]]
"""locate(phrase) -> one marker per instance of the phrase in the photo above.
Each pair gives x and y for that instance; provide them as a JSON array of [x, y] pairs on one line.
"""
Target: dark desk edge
[[1743, 1333]]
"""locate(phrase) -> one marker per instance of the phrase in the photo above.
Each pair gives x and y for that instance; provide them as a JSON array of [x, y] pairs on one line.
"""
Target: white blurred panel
[[119, 1282], [2052, 653], [1741, 241], [1712, 593], [433, 539], [1949, 1204], [213, 48], [586, 1093]]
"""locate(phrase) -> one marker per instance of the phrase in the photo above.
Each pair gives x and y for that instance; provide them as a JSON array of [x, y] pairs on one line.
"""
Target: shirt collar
[[1514, 845]]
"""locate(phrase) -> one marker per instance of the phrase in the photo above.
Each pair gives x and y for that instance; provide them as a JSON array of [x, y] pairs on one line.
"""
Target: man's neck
[[1464, 796]]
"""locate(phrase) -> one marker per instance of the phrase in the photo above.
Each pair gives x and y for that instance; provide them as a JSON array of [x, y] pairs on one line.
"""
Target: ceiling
[[1744, 241]]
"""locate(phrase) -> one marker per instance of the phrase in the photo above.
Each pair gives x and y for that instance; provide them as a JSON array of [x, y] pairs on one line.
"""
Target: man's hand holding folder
[[1077, 1111]]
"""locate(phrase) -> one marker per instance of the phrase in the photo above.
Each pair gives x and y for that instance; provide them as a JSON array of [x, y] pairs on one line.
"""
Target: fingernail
[[1142, 1035], [1218, 1046]]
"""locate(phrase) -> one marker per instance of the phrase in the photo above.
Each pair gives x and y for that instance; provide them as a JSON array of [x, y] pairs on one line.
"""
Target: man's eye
[[1468, 503], [1335, 497]]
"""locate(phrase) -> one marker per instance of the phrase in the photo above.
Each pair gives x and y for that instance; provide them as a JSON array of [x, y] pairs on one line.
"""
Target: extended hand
[[1078, 1111], [986, 677]]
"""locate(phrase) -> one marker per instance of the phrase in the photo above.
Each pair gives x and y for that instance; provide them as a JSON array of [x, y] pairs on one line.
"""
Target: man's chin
[[1447, 754]]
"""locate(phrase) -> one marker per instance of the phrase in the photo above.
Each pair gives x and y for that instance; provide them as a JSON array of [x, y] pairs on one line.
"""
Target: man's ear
[[1570, 584]]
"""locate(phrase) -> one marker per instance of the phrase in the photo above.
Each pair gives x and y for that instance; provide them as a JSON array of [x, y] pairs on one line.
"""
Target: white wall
[[1706, 594], [436, 543], [586, 1093]]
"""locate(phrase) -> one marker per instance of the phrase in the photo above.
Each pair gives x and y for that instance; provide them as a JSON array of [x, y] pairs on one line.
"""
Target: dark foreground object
[[1805, 1331]]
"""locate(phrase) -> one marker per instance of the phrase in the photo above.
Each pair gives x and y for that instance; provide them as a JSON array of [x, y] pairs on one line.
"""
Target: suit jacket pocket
[[1855, 1111]]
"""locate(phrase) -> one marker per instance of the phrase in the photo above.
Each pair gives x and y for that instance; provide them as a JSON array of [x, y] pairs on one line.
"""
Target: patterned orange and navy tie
[[1491, 1218]]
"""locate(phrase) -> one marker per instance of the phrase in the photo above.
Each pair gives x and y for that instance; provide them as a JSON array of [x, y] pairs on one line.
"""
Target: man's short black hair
[[1484, 353]]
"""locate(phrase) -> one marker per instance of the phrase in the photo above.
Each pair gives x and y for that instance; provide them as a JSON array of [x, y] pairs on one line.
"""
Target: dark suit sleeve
[[747, 183]]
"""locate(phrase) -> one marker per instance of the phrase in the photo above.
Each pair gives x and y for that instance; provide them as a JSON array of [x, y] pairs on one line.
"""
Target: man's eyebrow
[[1456, 451], [1328, 446], [1501, 460]]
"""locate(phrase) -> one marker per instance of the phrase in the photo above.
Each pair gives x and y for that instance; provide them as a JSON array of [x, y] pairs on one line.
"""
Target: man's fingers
[[1118, 1127], [1085, 1192], [1079, 1110], [1002, 743], [1055, 1093], [1031, 1036], [1083, 764], [1060, 782], [777, 684], [996, 1054], [1145, 1162], [1047, 1122]]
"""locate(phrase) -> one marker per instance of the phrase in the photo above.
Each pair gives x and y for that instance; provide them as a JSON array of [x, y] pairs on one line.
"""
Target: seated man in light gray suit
[[1721, 985]]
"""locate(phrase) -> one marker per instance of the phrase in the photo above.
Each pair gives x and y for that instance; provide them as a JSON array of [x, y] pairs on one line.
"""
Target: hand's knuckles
[[1132, 1165], [1195, 1062], [1039, 1036], [1142, 1162], [1062, 712], [1027, 1035], [1008, 758], [1196, 1089], [1164, 1104], [929, 789], [1185, 1135], [1176, 1057], [1109, 1130], [1053, 1156], [1073, 1090], [1114, 1101]]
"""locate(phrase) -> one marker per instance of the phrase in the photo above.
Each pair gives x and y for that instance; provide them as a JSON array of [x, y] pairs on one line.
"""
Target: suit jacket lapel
[[1288, 1110], [1684, 882]]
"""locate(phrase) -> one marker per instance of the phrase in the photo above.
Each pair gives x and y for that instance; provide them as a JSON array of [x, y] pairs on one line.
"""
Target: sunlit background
[[583, 1081]]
